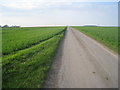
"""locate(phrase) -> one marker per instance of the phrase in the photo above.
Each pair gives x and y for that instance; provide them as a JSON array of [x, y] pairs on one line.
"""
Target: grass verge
[[28, 68], [105, 35]]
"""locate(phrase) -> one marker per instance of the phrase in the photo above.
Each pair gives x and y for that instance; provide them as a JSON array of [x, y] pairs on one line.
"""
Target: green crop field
[[27, 55], [106, 35], [15, 39]]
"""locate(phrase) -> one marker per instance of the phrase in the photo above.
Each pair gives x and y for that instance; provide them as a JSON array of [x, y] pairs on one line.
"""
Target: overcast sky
[[59, 12]]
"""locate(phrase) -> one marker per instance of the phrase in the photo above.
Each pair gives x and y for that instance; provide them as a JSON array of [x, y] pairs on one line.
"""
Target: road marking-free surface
[[83, 63]]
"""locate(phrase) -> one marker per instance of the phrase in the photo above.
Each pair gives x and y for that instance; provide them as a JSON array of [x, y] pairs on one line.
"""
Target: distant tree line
[[4, 26]]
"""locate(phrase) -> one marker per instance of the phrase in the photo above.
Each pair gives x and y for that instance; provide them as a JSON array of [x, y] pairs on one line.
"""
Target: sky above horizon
[[61, 12]]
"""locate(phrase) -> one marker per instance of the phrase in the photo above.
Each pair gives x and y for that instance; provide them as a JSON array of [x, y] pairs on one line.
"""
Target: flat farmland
[[33, 57], [27, 55], [105, 35], [15, 39]]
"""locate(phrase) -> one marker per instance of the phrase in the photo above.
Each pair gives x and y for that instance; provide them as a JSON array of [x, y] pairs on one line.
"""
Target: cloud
[[39, 12], [32, 4], [25, 4]]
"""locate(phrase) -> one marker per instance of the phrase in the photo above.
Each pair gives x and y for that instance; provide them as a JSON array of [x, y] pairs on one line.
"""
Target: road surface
[[81, 62]]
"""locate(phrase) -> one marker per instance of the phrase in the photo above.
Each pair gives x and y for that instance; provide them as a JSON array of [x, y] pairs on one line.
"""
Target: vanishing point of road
[[82, 62]]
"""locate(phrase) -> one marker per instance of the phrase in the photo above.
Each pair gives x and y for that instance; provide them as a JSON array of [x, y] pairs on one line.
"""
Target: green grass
[[27, 68], [15, 39], [106, 35]]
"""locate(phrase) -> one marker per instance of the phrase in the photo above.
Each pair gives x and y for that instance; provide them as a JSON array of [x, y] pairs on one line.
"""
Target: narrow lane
[[85, 63]]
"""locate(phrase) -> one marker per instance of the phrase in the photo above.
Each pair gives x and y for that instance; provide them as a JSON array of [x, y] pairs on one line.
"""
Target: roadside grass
[[106, 35], [27, 68]]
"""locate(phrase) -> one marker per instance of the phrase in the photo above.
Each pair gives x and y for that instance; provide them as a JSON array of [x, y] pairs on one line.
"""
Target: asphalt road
[[81, 62]]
